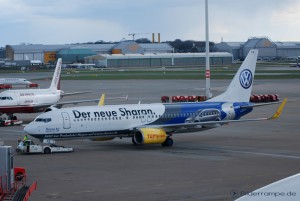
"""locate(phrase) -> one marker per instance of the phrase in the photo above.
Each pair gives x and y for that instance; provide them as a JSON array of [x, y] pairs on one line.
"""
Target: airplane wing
[[60, 104], [47, 106], [286, 189], [76, 93], [103, 98], [207, 123]]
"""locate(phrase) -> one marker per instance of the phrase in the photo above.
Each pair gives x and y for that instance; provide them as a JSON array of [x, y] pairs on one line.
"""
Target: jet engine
[[149, 136]]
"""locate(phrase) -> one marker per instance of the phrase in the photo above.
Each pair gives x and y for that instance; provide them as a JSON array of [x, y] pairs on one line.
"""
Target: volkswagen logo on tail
[[246, 78]]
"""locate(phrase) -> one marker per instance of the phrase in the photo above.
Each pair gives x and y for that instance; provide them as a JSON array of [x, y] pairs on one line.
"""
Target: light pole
[[207, 66]]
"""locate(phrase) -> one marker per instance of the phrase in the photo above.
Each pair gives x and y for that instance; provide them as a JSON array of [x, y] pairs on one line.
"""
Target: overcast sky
[[71, 21]]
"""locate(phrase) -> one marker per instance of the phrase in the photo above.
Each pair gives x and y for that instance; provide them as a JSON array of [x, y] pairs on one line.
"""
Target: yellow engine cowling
[[150, 136]]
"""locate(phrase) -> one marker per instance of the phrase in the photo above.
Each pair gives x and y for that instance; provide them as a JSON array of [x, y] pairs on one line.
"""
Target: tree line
[[180, 46]]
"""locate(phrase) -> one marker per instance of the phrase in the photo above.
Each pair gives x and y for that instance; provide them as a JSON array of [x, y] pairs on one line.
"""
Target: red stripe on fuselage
[[22, 109]]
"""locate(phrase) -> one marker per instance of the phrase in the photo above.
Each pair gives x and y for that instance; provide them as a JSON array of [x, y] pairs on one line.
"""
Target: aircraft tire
[[168, 142], [47, 150]]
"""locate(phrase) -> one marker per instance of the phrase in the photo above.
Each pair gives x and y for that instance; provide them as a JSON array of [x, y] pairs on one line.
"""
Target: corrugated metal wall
[[288, 53], [149, 62], [29, 56]]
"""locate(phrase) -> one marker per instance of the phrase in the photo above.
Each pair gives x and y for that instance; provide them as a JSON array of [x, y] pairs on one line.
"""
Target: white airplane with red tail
[[34, 100]]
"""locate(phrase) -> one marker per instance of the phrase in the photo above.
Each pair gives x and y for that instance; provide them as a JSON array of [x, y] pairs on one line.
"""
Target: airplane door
[[149, 117], [66, 120], [143, 118]]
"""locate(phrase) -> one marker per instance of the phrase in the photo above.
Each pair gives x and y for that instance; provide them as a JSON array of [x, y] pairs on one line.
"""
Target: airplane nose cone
[[28, 129]]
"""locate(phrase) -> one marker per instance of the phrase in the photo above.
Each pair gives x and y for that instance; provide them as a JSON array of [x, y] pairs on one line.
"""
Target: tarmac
[[214, 165]]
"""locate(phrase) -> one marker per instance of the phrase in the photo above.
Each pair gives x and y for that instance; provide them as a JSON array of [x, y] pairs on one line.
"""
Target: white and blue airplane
[[152, 123]]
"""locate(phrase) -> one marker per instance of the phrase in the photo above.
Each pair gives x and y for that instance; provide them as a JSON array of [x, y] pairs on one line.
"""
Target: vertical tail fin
[[240, 87], [55, 83]]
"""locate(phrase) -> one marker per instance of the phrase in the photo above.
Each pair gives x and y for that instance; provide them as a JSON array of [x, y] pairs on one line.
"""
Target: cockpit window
[[45, 120], [6, 98]]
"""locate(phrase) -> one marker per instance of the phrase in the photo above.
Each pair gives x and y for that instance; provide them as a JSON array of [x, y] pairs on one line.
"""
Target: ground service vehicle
[[28, 147]]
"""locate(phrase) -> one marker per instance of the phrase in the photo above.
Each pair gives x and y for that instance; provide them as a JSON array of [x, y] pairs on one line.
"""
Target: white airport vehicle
[[153, 123], [29, 147], [6, 121]]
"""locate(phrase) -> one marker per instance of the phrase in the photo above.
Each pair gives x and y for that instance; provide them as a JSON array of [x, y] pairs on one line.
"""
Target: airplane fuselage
[[27, 101], [122, 120], [14, 81]]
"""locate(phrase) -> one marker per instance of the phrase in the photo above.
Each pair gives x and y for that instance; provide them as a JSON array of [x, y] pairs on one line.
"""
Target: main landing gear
[[168, 142]]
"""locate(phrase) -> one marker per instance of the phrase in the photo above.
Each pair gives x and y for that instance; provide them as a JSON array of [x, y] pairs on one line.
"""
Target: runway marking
[[245, 152]]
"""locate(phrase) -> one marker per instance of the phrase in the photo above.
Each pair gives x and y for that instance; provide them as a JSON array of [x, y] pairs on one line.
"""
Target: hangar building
[[75, 53], [165, 59], [268, 49]]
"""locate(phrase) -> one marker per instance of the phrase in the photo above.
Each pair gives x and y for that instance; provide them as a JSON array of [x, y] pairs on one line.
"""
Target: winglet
[[279, 110], [101, 101]]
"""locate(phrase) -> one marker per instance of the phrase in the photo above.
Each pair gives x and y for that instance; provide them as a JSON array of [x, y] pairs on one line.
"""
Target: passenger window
[[37, 119]]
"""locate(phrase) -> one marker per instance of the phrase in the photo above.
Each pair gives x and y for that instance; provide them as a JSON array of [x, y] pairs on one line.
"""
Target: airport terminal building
[[268, 50]]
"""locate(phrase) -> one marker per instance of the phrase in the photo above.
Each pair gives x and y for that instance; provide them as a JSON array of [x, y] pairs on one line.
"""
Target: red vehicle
[[33, 85]]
